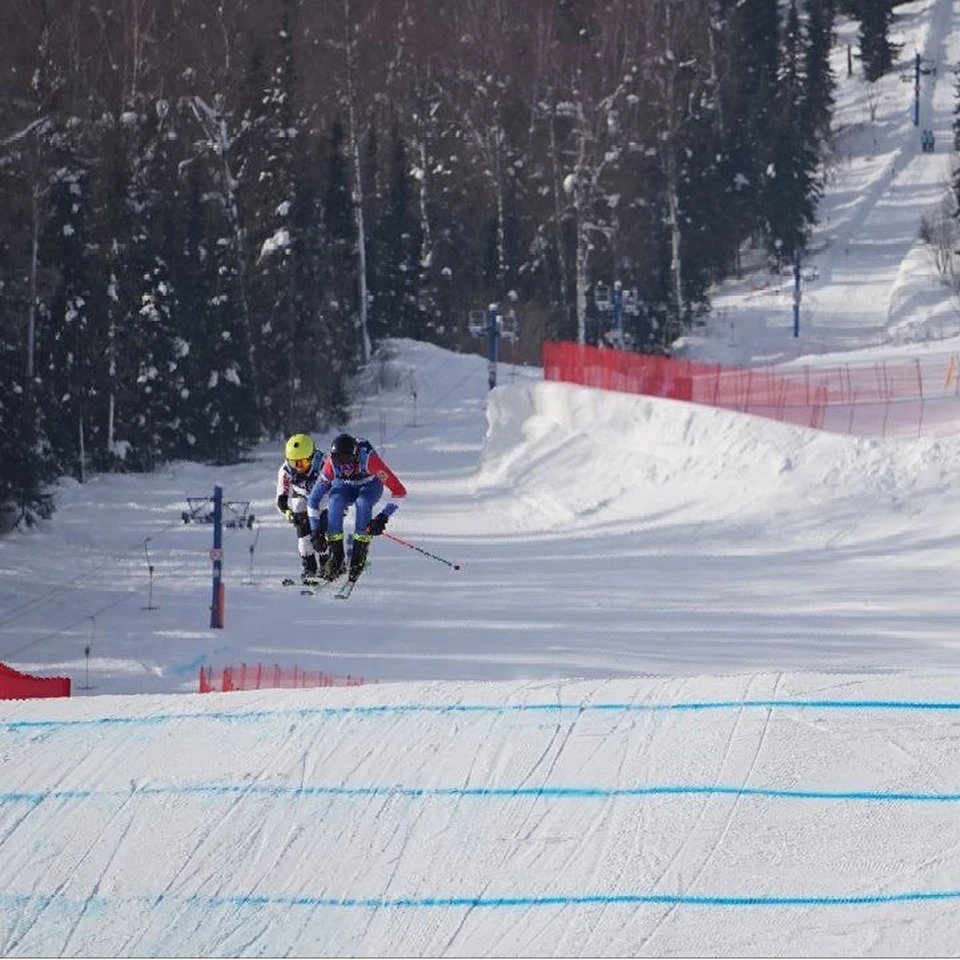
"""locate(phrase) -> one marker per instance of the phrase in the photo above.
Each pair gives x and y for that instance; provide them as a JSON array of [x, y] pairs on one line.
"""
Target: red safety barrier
[[913, 396], [21, 686], [257, 676]]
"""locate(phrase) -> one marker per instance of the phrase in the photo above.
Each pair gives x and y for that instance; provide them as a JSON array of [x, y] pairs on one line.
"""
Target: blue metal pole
[[796, 292], [216, 555], [493, 334], [916, 94]]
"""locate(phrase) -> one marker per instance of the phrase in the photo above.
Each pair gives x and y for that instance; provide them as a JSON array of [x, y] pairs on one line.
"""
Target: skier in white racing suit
[[295, 479]]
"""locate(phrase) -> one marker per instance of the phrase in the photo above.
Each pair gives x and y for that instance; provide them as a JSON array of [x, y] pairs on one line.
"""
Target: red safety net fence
[[21, 686], [258, 676], [907, 397]]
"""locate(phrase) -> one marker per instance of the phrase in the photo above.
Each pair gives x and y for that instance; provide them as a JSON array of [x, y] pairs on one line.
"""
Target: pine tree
[[273, 147], [25, 464], [70, 346], [748, 37], [791, 188], [397, 241], [221, 421], [876, 50], [151, 382], [820, 82]]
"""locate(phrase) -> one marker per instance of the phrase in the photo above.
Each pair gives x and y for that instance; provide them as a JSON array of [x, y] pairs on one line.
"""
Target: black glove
[[319, 541], [283, 504], [377, 525]]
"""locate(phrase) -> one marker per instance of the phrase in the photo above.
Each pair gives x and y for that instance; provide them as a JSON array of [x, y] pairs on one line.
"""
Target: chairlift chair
[[601, 296], [509, 326], [477, 323], [234, 516]]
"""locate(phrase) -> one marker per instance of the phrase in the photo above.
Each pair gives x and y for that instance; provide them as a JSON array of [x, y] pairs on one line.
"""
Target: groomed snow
[[693, 691]]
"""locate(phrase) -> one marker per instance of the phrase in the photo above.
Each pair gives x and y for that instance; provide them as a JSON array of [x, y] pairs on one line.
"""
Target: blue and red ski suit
[[362, 488]]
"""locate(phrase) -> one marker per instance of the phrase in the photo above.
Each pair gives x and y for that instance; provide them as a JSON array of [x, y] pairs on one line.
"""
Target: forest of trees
[[213, 211]]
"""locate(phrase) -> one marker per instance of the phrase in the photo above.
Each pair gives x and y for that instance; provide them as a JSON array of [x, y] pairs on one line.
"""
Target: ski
[[317, 586], [345, 590], [309, 582]]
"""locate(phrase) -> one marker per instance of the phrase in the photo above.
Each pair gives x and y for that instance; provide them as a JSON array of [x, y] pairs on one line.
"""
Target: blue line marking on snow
[[379, 903], [254, 791], [362, 712], [104, 904]]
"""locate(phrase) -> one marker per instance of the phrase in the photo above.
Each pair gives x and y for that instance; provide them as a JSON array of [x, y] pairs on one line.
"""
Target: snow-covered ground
[[692, 691]]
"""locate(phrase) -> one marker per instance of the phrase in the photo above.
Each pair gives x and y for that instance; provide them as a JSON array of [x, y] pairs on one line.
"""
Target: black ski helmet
[[343, 449]]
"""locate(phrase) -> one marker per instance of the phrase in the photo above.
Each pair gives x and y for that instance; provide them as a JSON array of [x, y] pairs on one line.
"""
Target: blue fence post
[[493, 333], [916, 94], [216, 555]]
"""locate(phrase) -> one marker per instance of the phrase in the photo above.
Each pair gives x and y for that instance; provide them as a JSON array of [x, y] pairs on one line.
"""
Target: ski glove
[[290, 515], [319, 541], [377, 525]]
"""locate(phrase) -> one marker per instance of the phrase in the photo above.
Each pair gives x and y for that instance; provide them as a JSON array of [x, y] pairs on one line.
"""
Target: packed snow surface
[[693, 690]]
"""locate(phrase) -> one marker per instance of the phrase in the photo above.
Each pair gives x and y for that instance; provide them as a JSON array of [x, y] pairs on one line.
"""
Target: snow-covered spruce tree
[[790, 185], [221, 421], [876, 51], [683, 107], [820, 82], [452, 205], [598, 81], [71, 342], [749, 43], [272, 145], [339, 334], [149, 384], [395, 244], [417, 111], [25, 464]]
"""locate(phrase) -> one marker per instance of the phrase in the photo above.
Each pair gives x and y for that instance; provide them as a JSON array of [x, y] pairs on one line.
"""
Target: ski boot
[[358, 557], [309, 571], [334, 565]]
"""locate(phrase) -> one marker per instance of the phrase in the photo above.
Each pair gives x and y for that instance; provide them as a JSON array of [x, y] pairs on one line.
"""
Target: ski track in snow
[[693, 690]]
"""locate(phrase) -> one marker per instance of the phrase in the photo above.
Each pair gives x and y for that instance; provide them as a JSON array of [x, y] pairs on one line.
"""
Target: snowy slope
[[870, 281], [632, 817], [692, 691]]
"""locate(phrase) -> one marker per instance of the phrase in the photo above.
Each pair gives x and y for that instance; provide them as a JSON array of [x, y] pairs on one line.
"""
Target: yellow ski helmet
[[299, 447]]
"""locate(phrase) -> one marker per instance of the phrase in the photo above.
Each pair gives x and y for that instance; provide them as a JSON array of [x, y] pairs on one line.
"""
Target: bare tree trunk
[[34, 263], [354, 135], [669, 140], [213, 120], [426, 233], [673, 212], [583, 265], [562, 265]]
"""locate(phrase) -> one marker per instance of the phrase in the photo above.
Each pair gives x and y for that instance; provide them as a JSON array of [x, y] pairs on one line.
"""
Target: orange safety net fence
[[22, 686], [911, 396], [258, 676]]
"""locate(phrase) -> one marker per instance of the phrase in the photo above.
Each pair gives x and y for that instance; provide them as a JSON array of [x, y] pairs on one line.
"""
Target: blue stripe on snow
[[492, 793], [105, 904], [256, 716]]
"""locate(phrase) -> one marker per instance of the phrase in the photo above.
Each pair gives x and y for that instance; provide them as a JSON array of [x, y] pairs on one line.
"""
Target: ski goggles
[[301, 465]]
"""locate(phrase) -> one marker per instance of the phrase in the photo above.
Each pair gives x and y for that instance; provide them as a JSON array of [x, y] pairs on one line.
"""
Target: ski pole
[[426, 553], [388, 511]]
